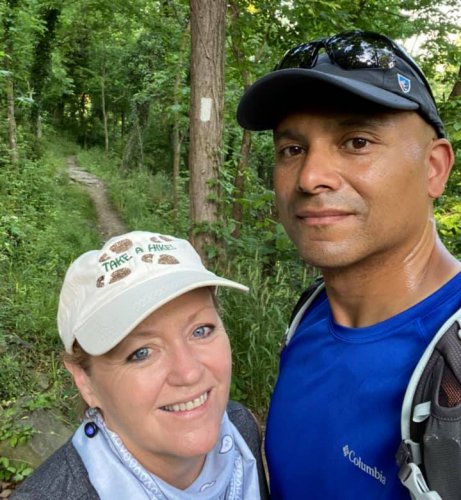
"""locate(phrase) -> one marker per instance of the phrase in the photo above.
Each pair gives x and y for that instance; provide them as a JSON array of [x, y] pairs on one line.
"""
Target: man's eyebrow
[[375, 121], [287, 133]]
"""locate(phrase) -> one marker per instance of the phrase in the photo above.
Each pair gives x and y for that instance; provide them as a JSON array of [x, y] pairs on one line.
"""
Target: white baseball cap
[[106, 293]]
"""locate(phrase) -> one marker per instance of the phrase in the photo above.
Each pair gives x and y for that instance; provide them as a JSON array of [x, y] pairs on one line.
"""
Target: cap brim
[[270, 98], [111, 323]]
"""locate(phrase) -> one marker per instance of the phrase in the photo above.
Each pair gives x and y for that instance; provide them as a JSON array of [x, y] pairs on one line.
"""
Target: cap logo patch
[[404, 83], [114, 261]]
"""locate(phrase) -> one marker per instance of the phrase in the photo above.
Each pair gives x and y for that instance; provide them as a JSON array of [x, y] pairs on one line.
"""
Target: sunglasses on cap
[[351, 50]]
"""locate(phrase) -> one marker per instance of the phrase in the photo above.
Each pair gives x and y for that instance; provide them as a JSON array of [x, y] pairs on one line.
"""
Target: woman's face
[[165, 387]]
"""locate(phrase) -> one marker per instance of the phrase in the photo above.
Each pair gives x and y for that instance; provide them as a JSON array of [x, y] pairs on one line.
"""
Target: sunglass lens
[[355, 50], [302, 56]]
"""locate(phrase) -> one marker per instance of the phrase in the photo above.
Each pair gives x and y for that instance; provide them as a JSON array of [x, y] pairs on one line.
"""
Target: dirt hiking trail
[[109, 222]]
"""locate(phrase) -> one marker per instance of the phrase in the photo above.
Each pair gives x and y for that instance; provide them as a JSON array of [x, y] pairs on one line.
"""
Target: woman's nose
[[186, 367]]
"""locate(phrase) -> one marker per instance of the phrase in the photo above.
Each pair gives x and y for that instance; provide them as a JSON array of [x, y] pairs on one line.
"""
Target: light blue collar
[[229, 472]]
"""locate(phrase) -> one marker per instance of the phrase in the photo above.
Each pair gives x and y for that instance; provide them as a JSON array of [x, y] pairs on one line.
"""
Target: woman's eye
[[203, 331], [139, 354]]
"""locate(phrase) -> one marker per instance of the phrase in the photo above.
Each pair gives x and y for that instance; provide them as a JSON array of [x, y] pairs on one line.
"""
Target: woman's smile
[[187, 405]]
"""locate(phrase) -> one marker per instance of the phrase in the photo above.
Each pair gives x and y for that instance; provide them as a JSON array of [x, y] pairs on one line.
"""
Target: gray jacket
[[64, 477]]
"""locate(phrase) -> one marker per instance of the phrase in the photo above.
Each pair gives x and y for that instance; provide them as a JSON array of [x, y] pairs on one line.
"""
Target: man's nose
[[318, 171]]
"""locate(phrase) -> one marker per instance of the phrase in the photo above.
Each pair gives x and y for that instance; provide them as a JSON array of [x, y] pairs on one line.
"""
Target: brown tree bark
[[41, 65], [245, 148], [12, 137], [206, 118], [133, 154], [104, 110], [177, 142], [177, 134], [239, 183], [456, 90], [9, 84]]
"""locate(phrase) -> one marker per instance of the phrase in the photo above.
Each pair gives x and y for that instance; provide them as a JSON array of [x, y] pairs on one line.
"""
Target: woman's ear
[[83, 382], [440, 162]]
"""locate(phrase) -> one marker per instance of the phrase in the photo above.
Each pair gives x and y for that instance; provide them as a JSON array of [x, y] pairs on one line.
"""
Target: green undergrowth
[[142, 198], [45, 222], [255, 321]]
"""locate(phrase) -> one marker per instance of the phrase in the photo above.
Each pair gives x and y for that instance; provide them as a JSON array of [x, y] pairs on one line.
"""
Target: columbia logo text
[[358, 462]]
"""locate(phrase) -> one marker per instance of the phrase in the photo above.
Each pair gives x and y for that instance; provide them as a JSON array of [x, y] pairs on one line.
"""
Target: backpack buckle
[[412, 478], [410, 474]]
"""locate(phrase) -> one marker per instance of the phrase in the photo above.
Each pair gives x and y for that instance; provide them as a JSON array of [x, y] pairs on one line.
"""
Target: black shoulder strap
[[304, 300], [432, 401], [248, 427], [305, 296]]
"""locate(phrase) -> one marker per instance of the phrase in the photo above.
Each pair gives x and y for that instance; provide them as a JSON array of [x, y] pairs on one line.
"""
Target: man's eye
[[356, 143], [203, 331], [140, 354], [289, 151]]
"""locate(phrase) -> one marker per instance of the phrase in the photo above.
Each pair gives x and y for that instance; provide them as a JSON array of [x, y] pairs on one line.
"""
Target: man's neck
[[365, 296]]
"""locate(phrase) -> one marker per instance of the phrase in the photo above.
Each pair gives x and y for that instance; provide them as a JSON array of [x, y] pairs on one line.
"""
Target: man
[[360, 155]]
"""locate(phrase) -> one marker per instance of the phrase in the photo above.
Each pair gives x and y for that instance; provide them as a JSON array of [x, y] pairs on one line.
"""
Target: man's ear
[[83, 382], [440, 162]]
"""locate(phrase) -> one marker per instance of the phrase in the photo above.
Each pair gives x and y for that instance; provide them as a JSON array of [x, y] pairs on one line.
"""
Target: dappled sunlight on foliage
[[109, 83]]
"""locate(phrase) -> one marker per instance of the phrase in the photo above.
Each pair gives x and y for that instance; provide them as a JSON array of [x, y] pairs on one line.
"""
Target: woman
[[149, 354]]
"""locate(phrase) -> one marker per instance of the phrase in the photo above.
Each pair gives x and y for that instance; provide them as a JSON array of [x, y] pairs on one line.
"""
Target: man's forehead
[[340, 118]]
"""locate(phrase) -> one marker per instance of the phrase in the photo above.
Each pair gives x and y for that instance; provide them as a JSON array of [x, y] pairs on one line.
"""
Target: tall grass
[[45, 222], [255, 323], [48, 221], [143, 199]]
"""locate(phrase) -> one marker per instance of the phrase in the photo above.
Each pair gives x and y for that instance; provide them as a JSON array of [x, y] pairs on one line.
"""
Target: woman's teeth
[[189, 405]]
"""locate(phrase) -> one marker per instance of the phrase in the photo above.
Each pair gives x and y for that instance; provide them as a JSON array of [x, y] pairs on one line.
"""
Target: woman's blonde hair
[[82, 359], [78, 357]]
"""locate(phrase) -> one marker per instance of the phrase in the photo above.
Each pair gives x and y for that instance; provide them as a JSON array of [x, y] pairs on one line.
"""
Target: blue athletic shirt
[[333, 426]]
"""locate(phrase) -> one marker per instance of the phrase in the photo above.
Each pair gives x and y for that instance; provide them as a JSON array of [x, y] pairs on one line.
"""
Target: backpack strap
[[304, 301], [409, 455], [249, 428], [413, 383]]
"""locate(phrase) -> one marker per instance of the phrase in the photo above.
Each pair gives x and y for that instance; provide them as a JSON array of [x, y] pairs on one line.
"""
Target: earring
[[91, 429]]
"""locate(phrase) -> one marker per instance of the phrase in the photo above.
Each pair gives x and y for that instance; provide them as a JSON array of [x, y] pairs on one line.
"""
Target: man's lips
[[322, 217]]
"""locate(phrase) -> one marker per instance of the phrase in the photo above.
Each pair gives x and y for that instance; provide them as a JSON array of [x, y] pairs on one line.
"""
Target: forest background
[[120, 86]]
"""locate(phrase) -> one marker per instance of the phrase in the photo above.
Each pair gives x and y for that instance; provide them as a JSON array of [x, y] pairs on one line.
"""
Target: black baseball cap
[[357, 66]]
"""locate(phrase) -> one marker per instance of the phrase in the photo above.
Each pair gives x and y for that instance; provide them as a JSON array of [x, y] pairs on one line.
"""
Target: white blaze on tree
[[208, 21]]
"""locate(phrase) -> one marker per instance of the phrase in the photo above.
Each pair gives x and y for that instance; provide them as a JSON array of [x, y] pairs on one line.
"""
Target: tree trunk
[[177, 141], [12, 138], [239, 183], [134, 149], [9, 82], [456, 90], [41, 66], [104, 111], [206, 119], [82, 120], [177, 134], [245, 148], [122, 125]]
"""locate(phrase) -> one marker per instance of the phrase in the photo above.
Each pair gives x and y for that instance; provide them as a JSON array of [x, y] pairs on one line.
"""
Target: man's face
[[353, 188]]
